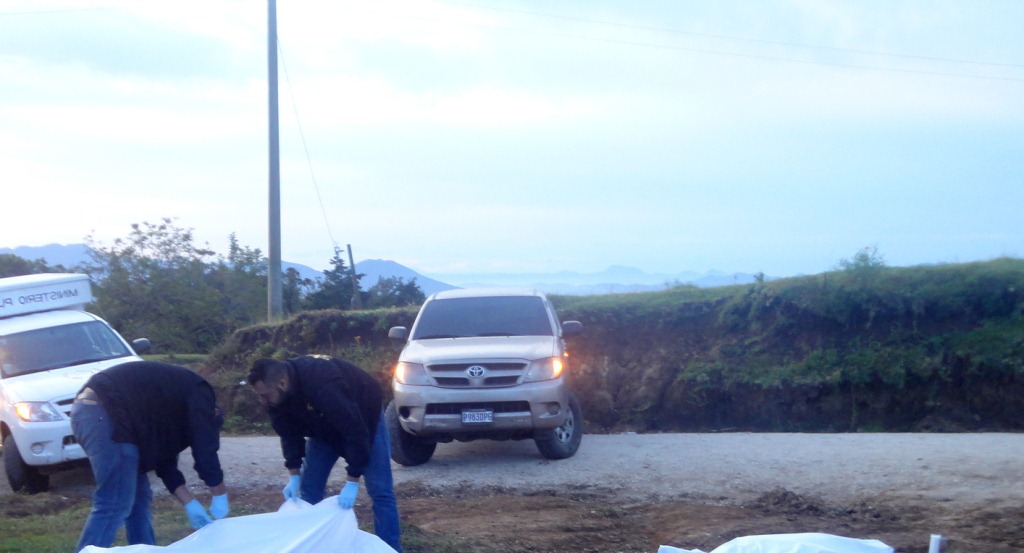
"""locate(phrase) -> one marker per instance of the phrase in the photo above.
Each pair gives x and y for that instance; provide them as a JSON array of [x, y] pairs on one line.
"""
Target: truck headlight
[[36, 411], [545, 369], [411, 373]]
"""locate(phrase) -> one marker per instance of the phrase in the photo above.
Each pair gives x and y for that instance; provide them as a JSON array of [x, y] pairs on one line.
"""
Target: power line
[[57, 10], [740, 39], [770, 58], [725, 53], [305, 147]]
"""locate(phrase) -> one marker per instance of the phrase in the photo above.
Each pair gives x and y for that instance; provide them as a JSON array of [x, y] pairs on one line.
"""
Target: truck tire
[[563, 441], [406, 449], [22, 477]]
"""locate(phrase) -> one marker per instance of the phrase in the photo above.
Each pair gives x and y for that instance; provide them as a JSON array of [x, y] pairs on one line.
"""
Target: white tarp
[[297, 527], [792, 543]]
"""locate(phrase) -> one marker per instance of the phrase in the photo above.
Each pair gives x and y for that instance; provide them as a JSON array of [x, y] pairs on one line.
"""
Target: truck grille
[[64, 406], [497, 407], [457, 375]]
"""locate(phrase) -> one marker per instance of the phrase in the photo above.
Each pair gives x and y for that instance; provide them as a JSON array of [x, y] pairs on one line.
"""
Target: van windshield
[[57, 347], [483, 316]]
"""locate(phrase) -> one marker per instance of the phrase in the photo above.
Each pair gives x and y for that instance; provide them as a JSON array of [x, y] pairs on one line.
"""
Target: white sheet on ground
[[297, 527], [792, 543]]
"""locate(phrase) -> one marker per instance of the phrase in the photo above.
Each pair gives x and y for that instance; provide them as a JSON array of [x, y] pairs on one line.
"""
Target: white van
[[49, 347]]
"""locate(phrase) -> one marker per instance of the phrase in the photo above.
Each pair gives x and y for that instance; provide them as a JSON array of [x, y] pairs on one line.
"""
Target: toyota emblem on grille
[[476, 371]]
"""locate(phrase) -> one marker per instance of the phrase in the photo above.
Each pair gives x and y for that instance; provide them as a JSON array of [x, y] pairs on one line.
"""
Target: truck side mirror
[[571, 328], [398, 333], [141, 345]]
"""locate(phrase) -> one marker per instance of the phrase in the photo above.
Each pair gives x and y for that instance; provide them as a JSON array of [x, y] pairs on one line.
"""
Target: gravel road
[[953, 469], [962, 469]]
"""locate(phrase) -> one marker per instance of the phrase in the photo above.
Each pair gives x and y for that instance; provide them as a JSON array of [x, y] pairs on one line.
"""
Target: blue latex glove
[[291, 491], [219, 506], [347, 497], [197, 515]]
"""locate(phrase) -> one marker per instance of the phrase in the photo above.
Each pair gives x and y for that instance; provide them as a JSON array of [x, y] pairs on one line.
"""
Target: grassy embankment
[[863, 349], [897, 349]]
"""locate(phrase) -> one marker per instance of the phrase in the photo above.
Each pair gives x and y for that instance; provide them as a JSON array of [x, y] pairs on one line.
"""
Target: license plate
[[478, 416]]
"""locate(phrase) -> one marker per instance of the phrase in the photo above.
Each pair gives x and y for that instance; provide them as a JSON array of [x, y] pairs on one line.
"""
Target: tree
[[157, 284], [242, 280], [866, 260], [856, 299], [13, 265], [335, 290], [394, 292], [293, 287]]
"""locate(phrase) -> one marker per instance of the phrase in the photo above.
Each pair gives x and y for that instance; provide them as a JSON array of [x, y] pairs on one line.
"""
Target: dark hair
[[267, 371]]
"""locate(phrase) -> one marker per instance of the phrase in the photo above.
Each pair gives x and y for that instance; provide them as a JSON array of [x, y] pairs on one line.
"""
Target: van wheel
[[563, 441], [22, 477], [406, 449]]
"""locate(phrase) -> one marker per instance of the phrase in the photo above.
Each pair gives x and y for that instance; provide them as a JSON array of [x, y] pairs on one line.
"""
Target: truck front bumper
[[430, 410], [44, 444]]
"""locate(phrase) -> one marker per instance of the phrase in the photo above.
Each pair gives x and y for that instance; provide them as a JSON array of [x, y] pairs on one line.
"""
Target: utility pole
[[275, 296], [357, 300]]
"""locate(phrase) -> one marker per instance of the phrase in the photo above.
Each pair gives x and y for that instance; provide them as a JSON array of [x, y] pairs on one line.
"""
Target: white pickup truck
[[49, 347], [483, 364]]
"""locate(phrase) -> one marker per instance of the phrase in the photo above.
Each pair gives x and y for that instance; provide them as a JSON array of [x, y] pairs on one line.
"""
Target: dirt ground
[[633, 493]]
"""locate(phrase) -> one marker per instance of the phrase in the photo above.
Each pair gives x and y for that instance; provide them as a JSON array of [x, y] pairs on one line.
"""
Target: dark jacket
[[163, 409], [332, 401]]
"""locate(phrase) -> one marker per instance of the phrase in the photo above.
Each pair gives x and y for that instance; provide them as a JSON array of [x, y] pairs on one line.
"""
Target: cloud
[[740, 135]]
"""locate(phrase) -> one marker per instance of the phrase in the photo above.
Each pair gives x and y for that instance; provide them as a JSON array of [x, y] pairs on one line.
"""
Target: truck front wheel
[[563, 441], [406, 449], [22, 477]]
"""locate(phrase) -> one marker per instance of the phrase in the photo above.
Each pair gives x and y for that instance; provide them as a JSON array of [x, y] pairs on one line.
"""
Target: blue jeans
[[320, 459], [122, 495]]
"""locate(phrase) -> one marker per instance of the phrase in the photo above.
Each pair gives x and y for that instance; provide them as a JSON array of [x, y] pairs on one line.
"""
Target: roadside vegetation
[[158, 283], [862, 347]]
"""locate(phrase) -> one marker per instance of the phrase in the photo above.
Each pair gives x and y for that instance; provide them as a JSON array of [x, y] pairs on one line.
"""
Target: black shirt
[[163, 409], [332, 401]]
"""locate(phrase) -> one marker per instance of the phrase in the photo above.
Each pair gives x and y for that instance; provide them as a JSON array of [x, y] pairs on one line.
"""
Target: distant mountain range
[[376, 269], [54, 254], [613, 280]]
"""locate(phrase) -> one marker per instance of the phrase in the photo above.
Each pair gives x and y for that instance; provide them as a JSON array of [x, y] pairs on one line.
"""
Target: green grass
[[415, 540], [51, 523], [185, 359], [43, 534]]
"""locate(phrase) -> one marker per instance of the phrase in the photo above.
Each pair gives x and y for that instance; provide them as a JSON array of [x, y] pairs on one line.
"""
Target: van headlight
[[411, 373], [36, 411], [545, 369]]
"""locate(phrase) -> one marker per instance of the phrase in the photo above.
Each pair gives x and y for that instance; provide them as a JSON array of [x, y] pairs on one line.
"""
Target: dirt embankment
[[754, 361]]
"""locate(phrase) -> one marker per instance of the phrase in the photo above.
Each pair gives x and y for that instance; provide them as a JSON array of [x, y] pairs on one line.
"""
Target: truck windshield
[[59, 346], [484, 316]]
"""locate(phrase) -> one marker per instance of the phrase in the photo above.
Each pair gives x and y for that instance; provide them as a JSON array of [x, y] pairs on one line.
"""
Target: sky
[[773, 136]]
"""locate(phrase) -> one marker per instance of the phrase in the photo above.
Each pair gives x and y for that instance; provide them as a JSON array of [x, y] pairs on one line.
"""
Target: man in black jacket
[[137, 417], [339, 408]]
